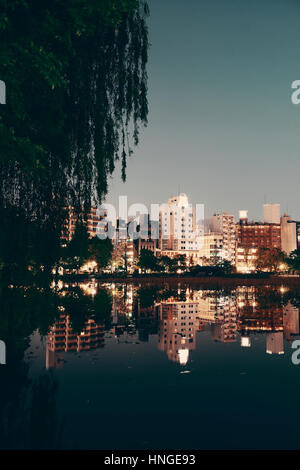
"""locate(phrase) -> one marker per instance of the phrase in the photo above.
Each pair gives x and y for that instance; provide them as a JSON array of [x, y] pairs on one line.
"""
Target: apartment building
[[289, 234], [92, 221], [224, 224], [178, 228], [246, 257], [212, 248]]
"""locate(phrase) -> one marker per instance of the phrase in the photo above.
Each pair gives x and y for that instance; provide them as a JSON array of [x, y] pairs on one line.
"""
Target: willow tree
[[76, 83]]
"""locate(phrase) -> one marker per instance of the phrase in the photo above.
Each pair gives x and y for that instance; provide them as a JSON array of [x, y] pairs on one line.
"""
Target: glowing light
[[283, 289], [89, 266], [183, 355], [245, 342], [283, 267]]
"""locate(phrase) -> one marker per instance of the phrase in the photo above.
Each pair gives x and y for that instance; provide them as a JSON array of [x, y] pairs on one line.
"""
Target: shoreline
[[224, 281]]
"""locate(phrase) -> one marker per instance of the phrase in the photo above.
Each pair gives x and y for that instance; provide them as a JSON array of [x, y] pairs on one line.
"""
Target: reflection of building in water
[[225, 327], [290, 321], [264, 316], [122, 302], [122, 307], [248, 311], [146, 322], [245, 341], [255, 316], [275, 343], [220, 312], [207, 306], [62, 339], [89, 288], [179, 321], [177, 329]]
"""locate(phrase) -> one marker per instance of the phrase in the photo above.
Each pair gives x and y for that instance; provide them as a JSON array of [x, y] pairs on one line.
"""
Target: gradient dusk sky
[[222, 127]]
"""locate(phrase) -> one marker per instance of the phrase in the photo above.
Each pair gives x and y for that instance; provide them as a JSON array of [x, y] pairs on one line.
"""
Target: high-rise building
[[178, 228], [288, 234], [258, 234], [253, 235], [272, 213], [224, 224], [92, 222]]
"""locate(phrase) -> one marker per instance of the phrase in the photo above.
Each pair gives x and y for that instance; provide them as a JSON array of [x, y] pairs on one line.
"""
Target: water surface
[[120, 366]]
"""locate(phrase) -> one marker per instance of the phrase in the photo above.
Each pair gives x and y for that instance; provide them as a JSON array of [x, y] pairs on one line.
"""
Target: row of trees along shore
[[271, 260], [102, 253]]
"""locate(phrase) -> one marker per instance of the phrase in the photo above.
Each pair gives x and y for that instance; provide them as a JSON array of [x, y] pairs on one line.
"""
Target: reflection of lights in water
[[57, 285], [183, 355], [90, 266], [245, 342], [89, 289], [283, 289]]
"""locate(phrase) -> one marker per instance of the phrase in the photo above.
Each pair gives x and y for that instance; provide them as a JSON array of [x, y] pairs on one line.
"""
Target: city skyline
[[222, 127], [150, 237]]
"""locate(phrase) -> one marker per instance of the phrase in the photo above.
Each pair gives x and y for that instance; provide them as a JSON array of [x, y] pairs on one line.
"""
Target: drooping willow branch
[[77, 95], [76, 79]]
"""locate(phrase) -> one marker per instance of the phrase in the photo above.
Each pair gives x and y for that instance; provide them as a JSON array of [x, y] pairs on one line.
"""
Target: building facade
[[92, 222], [224, 224], [178, 229], [289, 239], [258, 234], [272, 213]]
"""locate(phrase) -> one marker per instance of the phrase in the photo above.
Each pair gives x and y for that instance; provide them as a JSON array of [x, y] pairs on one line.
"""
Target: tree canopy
[[269, 259], [76, 85], [148, 261], [100, 251], [293, 260]]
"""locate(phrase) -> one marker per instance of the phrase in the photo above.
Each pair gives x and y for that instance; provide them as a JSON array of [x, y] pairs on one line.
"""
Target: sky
[[222, 126]]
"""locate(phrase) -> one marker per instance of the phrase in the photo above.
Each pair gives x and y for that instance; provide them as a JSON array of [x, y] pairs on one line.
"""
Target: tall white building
[[272, 213], [224, 224], [288, 234], [178, 228]]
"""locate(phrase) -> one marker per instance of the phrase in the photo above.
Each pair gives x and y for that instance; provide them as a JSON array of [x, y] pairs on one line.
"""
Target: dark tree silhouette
[[76, 81]]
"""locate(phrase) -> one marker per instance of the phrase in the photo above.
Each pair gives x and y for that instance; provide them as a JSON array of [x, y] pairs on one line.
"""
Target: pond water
[[123, 366]]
